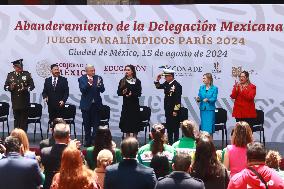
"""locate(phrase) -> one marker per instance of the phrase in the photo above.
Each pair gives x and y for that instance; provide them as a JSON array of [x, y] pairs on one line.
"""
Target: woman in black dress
[[130, 88]]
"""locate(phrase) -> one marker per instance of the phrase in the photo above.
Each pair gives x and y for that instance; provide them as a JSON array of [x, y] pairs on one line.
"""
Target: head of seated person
[[242, 134], [129, 148], [188, 128], [12, 144], [182, 162], [56, 121], [273, 159], [159, 138], [22, 136], [160, 164], [62, 133]]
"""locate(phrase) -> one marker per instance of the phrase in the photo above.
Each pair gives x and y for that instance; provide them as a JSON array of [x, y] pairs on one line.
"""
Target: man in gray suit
[[17, 171], [179, 178]]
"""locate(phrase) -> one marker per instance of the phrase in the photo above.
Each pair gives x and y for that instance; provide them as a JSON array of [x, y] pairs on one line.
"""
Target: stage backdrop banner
[[190, 39]]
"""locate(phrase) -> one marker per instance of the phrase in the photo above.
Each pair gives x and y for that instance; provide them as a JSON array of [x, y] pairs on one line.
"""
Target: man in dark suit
[[179, 178], [51, 156], [55, 93], [172, 103], [91, 86], [129, 174], [19, 83], [17, 171]]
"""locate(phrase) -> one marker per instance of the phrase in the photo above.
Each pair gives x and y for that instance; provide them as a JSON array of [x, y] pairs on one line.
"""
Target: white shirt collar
[[56, 78], [89, 77]]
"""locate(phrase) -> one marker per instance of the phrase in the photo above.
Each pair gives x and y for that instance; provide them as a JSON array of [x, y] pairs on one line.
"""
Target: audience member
[[156, 146], [206, 165], [257, 175], [180, 177], [73, 174], [50, 141], [104, 159], [16, 171], [103, 140], [51, 156], [235, 158], [160, 164], [187, 143], [22, 136], [129, 174], [272, 160]]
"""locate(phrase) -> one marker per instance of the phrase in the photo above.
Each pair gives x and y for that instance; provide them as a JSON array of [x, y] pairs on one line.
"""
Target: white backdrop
[[261, 55]]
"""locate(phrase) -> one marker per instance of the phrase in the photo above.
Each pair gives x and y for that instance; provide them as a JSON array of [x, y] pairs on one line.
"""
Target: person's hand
[[61, 103], [236, 85], [198, 99], [159, 77], [205, 100], [12, 86], [75, 143], [3, 149], [124, 91], [174, 114], [46, 100]]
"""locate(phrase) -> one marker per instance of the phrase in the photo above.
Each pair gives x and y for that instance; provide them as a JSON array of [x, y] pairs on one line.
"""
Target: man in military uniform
[[19, 83], [172, 103]]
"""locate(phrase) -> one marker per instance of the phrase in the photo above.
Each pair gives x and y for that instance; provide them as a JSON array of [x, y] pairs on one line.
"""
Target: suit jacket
[[17, 172], [51, 159], [211, 95], [179, 180], [244, 106], [89, 92], [129, 174], [47, 143], [60, 93], [172, 100], [20, 94]]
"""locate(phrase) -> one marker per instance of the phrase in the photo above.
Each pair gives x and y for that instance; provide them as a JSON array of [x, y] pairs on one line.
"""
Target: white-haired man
[[91, 86]]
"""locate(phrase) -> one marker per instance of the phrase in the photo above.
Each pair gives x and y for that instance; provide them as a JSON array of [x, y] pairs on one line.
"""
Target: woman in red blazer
[[244, 93]]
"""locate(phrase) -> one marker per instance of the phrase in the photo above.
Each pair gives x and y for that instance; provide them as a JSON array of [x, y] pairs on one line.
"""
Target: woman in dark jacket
[[130, 88]]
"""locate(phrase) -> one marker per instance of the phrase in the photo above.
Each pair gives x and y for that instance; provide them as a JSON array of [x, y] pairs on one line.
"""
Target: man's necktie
[[54, 83]]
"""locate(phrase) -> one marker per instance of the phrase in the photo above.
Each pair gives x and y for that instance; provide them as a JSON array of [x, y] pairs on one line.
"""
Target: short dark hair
[[160, 164], [53, 65], [129, 147], [256, 152], [61, 131], [12, 144], [182, 162]]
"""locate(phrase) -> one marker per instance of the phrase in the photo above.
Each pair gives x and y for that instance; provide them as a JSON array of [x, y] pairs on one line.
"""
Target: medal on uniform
[[172, 90]]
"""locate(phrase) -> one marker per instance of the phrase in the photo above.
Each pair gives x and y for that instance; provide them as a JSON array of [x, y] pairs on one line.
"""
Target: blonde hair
[[22, 136], [104, 158], [209, 76], [188, 128], [273, 159]]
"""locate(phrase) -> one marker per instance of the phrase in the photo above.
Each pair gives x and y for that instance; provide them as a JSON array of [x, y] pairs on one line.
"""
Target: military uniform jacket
[[20, 93], [172, 100]]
